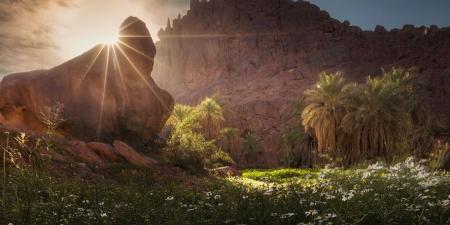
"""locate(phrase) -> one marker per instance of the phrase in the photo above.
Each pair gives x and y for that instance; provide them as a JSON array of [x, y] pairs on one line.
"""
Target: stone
[[132, 156], [107, 93], [105, 151], [259, 59], [80, 150], [226, 171]]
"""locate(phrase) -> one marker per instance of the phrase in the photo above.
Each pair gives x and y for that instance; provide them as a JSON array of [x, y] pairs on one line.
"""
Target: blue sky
[[389, 13]]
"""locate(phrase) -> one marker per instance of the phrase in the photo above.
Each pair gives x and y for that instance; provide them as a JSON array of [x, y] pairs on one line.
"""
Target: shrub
[[187, 146], [220, 158]]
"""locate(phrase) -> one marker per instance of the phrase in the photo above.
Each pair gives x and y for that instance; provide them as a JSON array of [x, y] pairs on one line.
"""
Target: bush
[[187, 146], [190, 150], [220, 158]]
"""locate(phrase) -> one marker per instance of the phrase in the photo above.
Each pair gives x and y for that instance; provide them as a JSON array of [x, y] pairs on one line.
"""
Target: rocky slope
[[260, 55], [106, 93]]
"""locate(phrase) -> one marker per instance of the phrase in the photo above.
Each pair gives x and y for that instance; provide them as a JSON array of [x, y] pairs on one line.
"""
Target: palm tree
[[297, 146], [229, 136], [250, 147], [326, 106], [375, 120], [180, 113], [211, 114]]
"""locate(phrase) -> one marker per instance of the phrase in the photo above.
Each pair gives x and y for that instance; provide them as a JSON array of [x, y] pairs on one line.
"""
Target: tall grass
[[405, 193]]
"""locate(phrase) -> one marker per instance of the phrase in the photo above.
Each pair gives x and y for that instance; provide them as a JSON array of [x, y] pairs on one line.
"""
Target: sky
[[39, 34]]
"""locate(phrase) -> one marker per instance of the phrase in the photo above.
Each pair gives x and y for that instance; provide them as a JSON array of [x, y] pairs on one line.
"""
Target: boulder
[[133, 157], [226, 171], [105, 151], [106, 93], [80, 150]]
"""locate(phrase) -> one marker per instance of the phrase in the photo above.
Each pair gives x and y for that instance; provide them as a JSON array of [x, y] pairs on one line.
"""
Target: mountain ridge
[[261, 55]]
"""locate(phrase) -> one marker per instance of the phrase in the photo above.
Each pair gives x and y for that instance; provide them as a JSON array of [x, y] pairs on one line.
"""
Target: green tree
[[326, 106], [381, 115], [187, 145], [179, 113], [228, 137], [250, 148], [211, 115], [298, 147]]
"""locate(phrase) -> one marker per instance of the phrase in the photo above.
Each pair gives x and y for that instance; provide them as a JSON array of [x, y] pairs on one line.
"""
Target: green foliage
[[220, 158], [280, 175], [381, 118], [189, 150], [297, 147], [402, 194], [188, 146], [251, 148], [180, 112], [296, 144], [211, 116], [228, 138], [326, 106]]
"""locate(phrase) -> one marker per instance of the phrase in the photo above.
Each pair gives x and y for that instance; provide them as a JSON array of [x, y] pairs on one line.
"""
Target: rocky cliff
[[260, 55], [106, 93]]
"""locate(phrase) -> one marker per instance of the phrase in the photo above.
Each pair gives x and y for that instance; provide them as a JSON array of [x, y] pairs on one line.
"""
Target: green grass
[[407, 193], [281, 175]]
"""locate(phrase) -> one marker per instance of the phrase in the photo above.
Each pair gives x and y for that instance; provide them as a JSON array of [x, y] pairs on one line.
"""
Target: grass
[[406, 193]]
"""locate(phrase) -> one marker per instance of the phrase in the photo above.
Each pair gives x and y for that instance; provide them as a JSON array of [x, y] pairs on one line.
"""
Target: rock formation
[[107, 93], [260, 55]]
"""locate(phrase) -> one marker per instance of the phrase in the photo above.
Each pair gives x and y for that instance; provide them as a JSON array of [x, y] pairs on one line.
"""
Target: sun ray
[[119, 69], [143, 78], [89, 68], [128, 25], [223, 35], [99, 128], [144, 55]]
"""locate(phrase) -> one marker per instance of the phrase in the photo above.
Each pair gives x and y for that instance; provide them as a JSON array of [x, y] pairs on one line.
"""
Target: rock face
[[107, 93], [260, 55]]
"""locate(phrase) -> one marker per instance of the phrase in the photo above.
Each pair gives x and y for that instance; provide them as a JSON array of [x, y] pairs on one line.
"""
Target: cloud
[[39, 34], [26, 40]]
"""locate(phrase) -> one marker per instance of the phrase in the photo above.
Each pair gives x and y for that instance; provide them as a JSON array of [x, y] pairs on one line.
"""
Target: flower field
[[405, 193]]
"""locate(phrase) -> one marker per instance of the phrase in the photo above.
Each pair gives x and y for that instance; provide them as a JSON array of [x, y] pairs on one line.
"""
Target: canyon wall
[[260, 55]]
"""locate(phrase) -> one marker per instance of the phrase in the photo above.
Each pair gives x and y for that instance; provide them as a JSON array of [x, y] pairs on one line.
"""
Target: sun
[[110, 39]]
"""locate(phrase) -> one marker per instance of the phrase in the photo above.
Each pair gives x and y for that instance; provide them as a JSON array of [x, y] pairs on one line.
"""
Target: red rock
[[259, 56], [80, 150], [107, 92], [105, 151], [131, 155], [55, 156]]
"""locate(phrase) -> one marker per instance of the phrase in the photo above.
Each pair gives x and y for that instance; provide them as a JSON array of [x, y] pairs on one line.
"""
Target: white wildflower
[[287, 215], [311, 212]]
